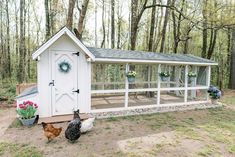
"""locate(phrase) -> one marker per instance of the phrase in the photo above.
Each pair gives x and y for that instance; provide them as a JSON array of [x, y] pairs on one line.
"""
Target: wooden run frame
[[158, 90]]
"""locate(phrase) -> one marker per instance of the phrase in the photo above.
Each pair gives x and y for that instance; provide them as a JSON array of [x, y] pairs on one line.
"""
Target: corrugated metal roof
[[143, 55], [28, 91]]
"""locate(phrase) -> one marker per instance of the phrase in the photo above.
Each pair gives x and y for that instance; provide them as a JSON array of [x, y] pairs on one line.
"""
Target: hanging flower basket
[[215, 94], [131, 76], [164, 79], [164, 76], [191, 79], [192, 76], [131, 79]]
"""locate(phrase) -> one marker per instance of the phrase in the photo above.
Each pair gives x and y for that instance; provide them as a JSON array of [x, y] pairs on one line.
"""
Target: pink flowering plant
[[27, 109]]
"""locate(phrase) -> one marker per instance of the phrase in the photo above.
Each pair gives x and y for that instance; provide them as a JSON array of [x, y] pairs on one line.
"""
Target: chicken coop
[[71, 76]]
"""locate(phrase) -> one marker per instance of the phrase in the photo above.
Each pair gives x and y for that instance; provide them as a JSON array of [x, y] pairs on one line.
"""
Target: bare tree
[[232, 63], [204, 31], [151, 33], [103, 24], [48, 32], [163, 35], [21, 70], [8, 61], [82, 16], [112, 23], [70, 14]]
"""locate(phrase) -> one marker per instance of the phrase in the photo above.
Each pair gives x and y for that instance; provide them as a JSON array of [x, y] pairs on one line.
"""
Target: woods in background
[[204, 28]]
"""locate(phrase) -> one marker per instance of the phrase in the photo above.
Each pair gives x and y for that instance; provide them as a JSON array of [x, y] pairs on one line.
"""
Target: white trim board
[[108, 60], [63, 31]]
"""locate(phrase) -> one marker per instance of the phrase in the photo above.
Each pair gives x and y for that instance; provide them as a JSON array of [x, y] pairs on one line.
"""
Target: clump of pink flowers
[[27, 109]]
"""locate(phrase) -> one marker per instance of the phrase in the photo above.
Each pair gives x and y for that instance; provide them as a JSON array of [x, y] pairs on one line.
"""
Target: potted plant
[[214, 93], [131, 76], [192, 76], [164, 76], [26, 112]]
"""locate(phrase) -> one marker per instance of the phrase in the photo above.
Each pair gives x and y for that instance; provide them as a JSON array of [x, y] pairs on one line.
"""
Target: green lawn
[[18, 150]]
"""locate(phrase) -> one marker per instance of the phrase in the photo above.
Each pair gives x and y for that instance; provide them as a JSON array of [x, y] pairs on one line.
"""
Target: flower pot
[[28, 122], [163, 78], [131, 79], [214, 101]]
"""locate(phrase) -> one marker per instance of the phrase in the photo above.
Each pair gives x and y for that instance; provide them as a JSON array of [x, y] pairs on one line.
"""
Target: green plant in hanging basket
[[164, 74], [192, 74], [64, 67], [131, 74]]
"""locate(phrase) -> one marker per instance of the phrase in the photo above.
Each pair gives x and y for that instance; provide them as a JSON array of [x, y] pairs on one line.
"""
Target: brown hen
[[50, 131]]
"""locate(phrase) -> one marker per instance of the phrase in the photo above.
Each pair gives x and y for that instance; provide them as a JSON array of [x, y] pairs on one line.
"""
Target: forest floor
[[208, 132]]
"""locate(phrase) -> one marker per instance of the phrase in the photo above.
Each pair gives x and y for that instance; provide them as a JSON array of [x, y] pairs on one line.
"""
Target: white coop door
[[64, 82]]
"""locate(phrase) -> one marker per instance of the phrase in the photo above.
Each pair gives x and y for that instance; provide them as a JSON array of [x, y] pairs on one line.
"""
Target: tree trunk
[[204, 31], [152, 25], [212, 43], [103, 24], [21, 70], [2, 43], [28, 43], [164, 27], [96, 24], [134, 24], [228, 49], [81, 18], [232, 63], [48, 33], [70, 14], [8, 61], [16, 32], [52, 15], [112, 23]]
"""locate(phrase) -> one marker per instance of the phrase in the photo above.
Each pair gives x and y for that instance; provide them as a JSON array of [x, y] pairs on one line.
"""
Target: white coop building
[[72, 76]]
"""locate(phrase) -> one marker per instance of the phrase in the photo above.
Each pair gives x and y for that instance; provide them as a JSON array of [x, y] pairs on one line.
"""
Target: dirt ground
[[185, 134]]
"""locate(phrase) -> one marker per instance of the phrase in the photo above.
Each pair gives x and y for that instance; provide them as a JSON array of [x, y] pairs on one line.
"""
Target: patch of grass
[[16, 124], [19, 150], [189, 121], [155, 126], [188, 132], [8, 91], [107, 128], [228, 100], [113, 119], [209, 150], [231, 149], [158, 147]]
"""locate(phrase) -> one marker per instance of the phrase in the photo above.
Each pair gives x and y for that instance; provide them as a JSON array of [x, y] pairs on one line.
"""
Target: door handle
[[52, 83], [77, 91]]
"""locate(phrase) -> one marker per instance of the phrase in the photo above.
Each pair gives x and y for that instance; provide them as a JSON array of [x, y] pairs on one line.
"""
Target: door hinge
[[52, 83], [77, 53], [77, 91]]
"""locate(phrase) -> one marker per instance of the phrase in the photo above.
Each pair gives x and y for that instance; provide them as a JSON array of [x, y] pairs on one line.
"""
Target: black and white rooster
[[72, 133]]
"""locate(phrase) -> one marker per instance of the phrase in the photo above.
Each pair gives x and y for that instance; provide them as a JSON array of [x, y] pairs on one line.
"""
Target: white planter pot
[[27, 122]]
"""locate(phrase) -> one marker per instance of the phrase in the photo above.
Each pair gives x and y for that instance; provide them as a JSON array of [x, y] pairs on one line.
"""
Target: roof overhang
[[54, 38], [151, 61]]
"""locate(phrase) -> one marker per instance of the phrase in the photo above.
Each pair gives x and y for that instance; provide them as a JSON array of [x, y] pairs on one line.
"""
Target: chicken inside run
[[75, 128]]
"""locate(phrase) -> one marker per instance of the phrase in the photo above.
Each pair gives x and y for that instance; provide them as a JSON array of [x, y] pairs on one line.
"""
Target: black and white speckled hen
[[72, 133]]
